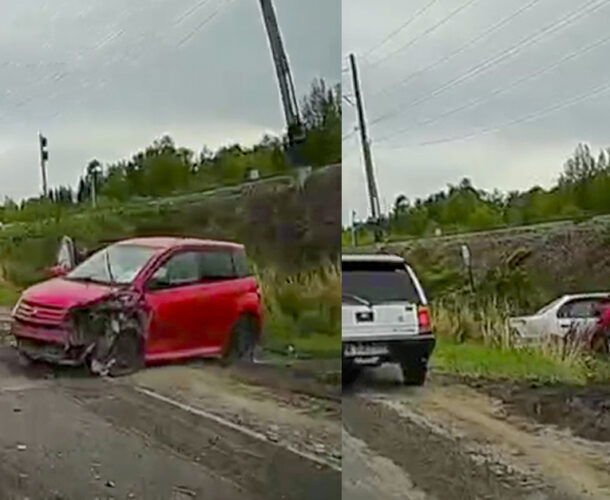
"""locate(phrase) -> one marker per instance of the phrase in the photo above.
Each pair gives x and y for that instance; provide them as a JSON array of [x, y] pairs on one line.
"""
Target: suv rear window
[[377, 282]]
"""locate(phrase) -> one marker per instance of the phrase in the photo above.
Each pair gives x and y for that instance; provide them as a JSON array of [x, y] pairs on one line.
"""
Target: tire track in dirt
[[87, 416], [265, 469], [367, 475], [455, 439]]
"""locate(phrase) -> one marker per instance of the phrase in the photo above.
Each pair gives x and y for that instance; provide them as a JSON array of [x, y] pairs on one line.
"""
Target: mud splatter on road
[[452, 441]]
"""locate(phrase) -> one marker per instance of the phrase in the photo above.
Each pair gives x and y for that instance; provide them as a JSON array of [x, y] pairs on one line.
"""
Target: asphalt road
[[177, 432], [449, 441]]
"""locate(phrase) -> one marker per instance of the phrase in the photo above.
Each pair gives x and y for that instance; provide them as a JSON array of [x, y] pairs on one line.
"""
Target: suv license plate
[[364, 361], [366, 350]]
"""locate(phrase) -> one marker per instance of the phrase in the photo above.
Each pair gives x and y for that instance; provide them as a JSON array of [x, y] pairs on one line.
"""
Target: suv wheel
[[243, 341], [349, 373], [414, 372]]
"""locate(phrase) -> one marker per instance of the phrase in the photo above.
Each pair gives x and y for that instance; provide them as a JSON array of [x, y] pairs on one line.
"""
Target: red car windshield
[[117, 264]]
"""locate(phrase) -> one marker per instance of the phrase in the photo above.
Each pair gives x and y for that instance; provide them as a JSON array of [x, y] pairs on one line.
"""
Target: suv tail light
[[423, 317]]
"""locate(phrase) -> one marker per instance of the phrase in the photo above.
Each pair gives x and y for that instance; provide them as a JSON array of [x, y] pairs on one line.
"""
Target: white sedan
[[570, 313]]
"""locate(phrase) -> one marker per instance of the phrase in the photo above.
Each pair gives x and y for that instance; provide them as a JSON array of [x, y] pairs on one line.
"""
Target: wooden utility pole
[[366, 152]]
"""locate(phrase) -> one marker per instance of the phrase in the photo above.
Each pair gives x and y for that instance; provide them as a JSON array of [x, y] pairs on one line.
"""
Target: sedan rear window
[[579, 309], [377, 282]]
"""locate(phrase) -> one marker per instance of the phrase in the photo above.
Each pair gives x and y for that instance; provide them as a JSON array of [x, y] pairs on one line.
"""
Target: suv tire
[[349, 374], [414, 372]]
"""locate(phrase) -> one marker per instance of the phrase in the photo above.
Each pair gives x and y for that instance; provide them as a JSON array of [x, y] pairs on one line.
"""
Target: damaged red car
[[140, 301]]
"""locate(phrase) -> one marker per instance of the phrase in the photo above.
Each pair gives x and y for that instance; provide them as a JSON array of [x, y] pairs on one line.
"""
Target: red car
[[143, 300]]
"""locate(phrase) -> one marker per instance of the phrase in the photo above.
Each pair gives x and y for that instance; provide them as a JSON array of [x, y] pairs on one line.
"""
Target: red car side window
[[181, 269], [216, 264]]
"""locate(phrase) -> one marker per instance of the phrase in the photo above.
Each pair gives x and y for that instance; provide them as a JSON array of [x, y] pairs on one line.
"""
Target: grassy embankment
[[477, 343], [303, 310]]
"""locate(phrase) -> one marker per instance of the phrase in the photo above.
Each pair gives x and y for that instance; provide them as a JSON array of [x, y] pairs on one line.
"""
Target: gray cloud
[[511, 158], [106, 78]]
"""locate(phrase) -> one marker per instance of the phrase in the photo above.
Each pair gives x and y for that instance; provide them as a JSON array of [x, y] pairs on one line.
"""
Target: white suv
[[385, 317]]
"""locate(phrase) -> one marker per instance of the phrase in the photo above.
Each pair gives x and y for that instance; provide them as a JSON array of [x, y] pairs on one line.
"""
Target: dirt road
[[448, 440], [174, 432]]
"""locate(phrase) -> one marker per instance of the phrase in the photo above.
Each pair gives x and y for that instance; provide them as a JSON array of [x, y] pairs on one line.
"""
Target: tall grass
[[460, 320], [475, 339], [303, 310]]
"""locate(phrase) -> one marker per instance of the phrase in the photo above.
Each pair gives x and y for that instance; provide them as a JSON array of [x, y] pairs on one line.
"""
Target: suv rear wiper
[[357, 299]]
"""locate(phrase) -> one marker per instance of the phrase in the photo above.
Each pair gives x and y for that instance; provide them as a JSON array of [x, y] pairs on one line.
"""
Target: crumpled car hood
[[65, 294]]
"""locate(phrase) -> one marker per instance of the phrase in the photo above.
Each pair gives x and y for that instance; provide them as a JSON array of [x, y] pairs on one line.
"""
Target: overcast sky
[[513, 157], [104, 78]]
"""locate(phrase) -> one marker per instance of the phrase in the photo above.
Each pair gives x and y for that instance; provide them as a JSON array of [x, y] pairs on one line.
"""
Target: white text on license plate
[[366, 350]]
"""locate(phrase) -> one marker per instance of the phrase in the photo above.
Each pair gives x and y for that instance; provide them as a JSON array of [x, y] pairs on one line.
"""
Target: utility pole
[[93, 169], [296, 133], [366, 152], [94, 189], [44, 157]]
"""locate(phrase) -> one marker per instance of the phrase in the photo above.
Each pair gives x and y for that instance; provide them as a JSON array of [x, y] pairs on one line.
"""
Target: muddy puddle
[[583, 410]]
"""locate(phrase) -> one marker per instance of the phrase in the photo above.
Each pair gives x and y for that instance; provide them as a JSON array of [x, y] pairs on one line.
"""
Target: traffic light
[[44, 153]]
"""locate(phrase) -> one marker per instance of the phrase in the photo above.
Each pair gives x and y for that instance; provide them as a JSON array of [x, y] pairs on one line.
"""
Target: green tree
[[321, 111]]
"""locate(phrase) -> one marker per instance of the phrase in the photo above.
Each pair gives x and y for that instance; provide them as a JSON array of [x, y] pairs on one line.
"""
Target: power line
[[524, 119], [500, 57], [503, 89], [347, 149], [494, 28], [60, 75], [203, 23], [191, 11], [431, 29], [347, 99], [349, 135], [403, 26]]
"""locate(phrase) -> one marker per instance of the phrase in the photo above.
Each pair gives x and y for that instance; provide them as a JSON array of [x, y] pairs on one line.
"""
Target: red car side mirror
[[56, 271]]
